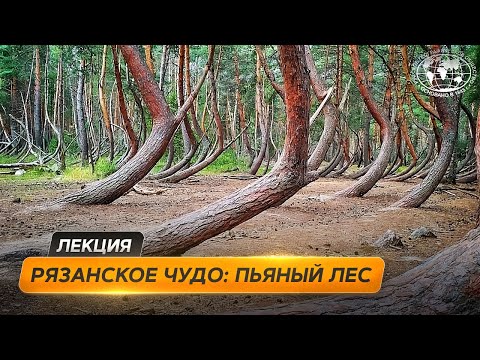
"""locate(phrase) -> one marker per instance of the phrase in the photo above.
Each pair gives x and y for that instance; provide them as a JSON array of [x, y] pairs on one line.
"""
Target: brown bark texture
[[375, 172], [176, 236], [330, 112], [448, 109], [164, 124], [103, 104], [127, 124], [447, 283]]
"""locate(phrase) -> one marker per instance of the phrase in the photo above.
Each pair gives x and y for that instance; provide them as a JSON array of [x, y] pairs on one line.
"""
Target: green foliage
[[159, 165], [31, 174], [78, 173], [74, 172], [8, 159], [103, 168], [16, 65], [226, 162], [400, 169], [472, 94]]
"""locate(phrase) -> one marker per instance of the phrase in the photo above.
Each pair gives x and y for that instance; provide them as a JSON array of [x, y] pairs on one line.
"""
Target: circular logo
[[445, 74]]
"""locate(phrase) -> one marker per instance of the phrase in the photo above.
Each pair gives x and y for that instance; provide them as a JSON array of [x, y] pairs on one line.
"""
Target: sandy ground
[[310, 223]]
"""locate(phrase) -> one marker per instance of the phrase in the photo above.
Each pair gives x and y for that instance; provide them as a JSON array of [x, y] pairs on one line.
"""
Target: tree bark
[[164, 124], [410, 171], [364, 184], [471, 120], [339, 75], [286, 178], [447, 283], [163, 65], [332, 117], [436, 131], [187, 133], [127, 124], [149, 59], [477, 156], [220, 140], [241, 113], [103, 104], [262, 119], [81, 129], [366, 140], [193, 109], [366, 118], [37, 105], [448, 110], [278, 88], [411, 87], [58, 115]]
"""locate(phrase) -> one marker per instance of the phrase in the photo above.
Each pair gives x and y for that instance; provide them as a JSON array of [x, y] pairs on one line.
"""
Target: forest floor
[[309, 223]]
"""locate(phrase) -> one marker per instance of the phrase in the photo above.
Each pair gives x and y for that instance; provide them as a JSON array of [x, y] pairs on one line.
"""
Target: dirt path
[[308, 224]]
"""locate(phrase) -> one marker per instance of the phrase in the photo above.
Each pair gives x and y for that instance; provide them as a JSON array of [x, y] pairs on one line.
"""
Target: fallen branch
[[11, 172], [468, 192], [241, 177], [143, 191]]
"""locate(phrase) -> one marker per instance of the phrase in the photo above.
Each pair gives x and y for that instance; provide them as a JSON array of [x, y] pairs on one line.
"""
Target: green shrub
[[226, 162], [103, 168]]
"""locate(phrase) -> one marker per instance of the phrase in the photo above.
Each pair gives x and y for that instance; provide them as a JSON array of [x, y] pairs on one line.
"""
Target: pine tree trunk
[[103, 104], [241, 113], [332, 117], [187, 145], [449, 111], [127, 124], [164, 124], [178, 176], [262, 119], [59, 115], [37, 105], [81, 129], [366, 182], [176, 236], [477, 156]]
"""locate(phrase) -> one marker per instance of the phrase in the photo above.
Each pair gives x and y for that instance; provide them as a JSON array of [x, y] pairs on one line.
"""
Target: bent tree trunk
[[366, 182], [127, 124], [164, 124], [176, 236], [330, 112], [178, 176], [447, 283], [449, 111], [262, 119], [409, 172]]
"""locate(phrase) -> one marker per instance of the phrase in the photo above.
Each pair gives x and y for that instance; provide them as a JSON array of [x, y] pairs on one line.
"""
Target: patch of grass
[[4, 159], [78, 173], [159, 166], [353, 168], [226, 162], [31, 174], [400, 169], [103, 168]]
